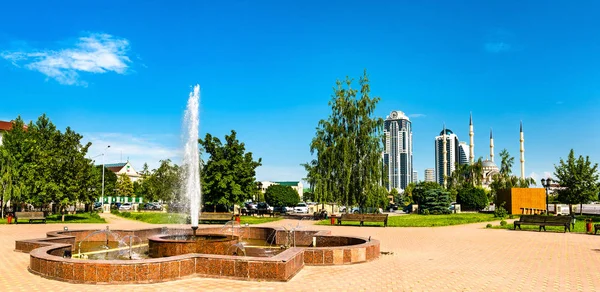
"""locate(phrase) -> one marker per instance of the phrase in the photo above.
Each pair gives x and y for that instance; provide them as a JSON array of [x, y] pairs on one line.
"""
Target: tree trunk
[[580, 209]]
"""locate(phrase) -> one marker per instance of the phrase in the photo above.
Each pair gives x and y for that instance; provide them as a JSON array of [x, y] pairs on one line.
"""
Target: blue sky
[[119, 72]]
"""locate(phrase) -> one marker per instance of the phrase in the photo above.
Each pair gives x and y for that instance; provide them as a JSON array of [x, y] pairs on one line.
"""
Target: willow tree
[[348, 148]]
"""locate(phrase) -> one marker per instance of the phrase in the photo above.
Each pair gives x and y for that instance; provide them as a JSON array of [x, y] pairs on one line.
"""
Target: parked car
[[97, 206], [281, 210], [392, 207], [301, 208], [153, 206], [264, 207], [126, 206]]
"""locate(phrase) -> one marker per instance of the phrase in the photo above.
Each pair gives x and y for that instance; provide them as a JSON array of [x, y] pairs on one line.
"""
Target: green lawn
[[579, 225], [416, 220], [180, 218], [76, 218]]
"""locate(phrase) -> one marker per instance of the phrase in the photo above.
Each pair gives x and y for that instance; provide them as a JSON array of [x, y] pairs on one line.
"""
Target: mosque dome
[[489, 165]]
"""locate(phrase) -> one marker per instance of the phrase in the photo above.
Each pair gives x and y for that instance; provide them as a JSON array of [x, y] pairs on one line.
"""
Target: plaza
[[454, 258]]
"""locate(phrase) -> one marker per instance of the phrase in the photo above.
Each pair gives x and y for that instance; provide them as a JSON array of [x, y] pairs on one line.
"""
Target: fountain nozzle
[[194, 228]]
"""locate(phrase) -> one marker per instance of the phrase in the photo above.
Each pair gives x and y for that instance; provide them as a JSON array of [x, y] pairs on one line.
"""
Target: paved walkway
[[455, 258]]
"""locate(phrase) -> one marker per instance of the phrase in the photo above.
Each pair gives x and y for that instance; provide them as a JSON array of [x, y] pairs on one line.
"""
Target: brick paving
[[454, 258]]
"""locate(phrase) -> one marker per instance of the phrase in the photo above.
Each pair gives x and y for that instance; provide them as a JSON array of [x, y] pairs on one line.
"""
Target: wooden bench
[[362, 218], [543, 221], [596, 228], [21, 217], [216, 217]]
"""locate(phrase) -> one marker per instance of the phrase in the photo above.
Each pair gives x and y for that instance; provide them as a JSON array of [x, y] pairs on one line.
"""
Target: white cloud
[[417, 115], [537, 177], [94, 53], [138, 149]]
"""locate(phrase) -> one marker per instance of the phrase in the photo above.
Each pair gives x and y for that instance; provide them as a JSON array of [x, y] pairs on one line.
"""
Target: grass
[[579, 225], [180, 218], [416, 220]]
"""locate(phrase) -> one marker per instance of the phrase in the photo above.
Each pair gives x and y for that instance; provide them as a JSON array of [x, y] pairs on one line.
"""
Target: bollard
[[237, 218], [588, 225]]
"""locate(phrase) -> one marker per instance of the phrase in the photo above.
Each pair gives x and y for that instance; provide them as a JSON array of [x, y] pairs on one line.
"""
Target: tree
[[578, 179], [228, 177], [421, 188], [504, 179], [124, 186], [164, 183], [395, 195], [7, 172], [472, 199], [348, 146], [308, 195], [466, 175], [435, 201], [281, 196]]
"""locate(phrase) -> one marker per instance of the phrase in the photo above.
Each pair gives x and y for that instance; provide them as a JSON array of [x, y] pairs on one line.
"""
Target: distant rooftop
[[287, 183]]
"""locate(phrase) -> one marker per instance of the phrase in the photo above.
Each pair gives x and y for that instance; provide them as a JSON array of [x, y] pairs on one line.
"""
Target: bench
[[215, 217], [362, 218], [543, 221], [21, 217], [596, 228]]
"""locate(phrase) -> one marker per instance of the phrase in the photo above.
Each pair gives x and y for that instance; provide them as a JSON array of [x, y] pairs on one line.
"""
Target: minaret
[[491, 146], [445, 154], [471, 143], [522, 153]]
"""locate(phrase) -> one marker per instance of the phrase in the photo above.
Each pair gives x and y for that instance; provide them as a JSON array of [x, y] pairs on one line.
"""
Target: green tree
[[348, 145], [578, 179], [504, 179], [308, 195], [472, 199], [466, 175], [421, 189], [281, 196], [7, 172], [395, 195], [228, 177], [124, 186], [164, 183], [435, 201]]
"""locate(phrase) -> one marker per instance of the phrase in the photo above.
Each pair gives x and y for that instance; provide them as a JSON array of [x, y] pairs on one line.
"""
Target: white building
[[429, 174], [415, 176], [445, 166], [398, 150], [126, 168]]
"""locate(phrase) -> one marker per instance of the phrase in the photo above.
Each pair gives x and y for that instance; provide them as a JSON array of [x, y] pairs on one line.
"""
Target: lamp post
[[546, 183], [102, 197]]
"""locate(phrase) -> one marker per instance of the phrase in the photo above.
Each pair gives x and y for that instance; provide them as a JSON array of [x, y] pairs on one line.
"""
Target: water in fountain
[[191, 157], [131, 247]]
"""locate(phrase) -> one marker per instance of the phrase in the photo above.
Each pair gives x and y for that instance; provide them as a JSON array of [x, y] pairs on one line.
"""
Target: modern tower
[[429, 174], [415, 176], [522, 140], [471, 140], [398, 150], [446, 155], [463, 150]]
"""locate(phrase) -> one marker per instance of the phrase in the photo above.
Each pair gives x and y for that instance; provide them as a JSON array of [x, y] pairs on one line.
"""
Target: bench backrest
[[29, 214], [352, 216], [216, 216], [531, 218], [558, 219], [375, 216]]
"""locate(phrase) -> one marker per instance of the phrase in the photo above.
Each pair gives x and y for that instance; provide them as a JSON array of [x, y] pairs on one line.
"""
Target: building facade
[[415, 176], [296, 185], [398, 150], [429, 175], [446, 155], [463, 151], [124, 167]]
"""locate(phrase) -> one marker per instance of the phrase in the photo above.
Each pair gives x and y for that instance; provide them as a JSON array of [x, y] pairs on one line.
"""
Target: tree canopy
[[578, 179], [504, 179], [348, 145], [228, 177], [281, 196]]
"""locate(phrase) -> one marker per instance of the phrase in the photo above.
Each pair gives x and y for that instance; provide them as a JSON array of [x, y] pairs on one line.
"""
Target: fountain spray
[[191, 157]]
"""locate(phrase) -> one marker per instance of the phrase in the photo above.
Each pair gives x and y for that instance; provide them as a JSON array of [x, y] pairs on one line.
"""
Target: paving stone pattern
[[455, 258]]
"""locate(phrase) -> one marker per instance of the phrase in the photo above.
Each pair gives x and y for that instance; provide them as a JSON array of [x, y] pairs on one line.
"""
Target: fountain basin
[[46, 257], [172, 245]]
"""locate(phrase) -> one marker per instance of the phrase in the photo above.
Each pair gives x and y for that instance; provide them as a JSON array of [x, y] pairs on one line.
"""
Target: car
[[392, 207], [153, 206], [301, 208], [262, 206], [281, 210], [126, 206], [97, 206]]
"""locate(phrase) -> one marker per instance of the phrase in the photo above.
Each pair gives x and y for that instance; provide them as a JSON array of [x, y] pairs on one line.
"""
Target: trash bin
[[9, 219], [332, 218], [588, 225]]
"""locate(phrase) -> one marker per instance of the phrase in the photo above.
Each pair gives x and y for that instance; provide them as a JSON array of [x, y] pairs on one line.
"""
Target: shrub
[[436, 201], [500, 212], [488, 225], [503, 223], [426, 212], [473, 199]]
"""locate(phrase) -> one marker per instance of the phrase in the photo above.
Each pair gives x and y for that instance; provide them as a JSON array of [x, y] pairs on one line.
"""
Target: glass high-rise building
[[452, 155], [463, 153], [398, 150]]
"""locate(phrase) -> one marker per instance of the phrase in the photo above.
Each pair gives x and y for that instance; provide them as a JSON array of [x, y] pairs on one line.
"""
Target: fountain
[[258, 253], [191, 157]]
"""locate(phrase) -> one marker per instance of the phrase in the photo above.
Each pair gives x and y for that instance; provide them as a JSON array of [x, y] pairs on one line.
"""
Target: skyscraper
[[444, 166], [463, 149], [415, 177], [398, 150], [429, 174]]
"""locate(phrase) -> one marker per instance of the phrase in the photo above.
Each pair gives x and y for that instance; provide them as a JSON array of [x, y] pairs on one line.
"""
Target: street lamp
[[546, 183], [102, 197]]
